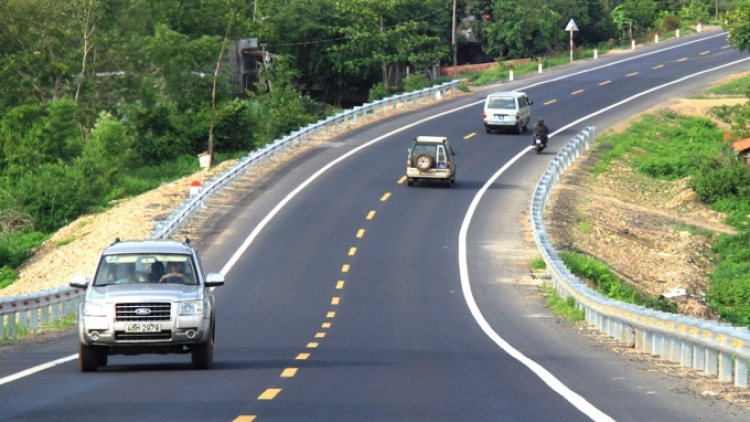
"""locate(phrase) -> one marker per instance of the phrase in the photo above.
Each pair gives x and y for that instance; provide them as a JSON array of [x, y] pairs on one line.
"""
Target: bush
[[415, 82], [7, 276], [16, 248], [719, 184], [378, 92], [609, 284]]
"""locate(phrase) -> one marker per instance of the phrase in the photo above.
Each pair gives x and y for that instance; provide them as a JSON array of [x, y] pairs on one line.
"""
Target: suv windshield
[[145, 268]]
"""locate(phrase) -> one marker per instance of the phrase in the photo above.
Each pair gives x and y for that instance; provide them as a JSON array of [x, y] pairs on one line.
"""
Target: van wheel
[[519, 128], [409, 182], [447, 183], [423, 161], [488, 130], [88, 358]]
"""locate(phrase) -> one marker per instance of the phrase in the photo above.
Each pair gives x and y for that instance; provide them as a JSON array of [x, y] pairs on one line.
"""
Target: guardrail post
[[658, 345], [648, 341], [725, 366], [687, 354], [34, 323], [740, 373], [12, 328], [712, 361], [699, 357]]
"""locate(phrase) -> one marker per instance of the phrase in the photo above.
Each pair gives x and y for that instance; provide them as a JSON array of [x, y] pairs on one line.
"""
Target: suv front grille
[[123, 336], [137, 312]]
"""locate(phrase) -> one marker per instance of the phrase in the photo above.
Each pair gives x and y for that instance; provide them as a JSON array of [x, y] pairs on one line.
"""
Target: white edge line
[[576, 400], [462, 241], [36, 369]]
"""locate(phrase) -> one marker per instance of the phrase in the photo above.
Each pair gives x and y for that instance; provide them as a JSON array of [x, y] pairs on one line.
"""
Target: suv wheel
[[519, 128], [409, 182], [448, 183], [88, 358], [203, 354], [423, 161], [102, 357]]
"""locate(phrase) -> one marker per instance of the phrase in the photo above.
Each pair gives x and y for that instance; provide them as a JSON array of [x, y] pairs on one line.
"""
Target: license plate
[[143, 328]]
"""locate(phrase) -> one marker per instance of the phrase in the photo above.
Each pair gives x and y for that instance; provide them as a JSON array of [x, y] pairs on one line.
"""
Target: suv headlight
[[95, 309], [194, 307]]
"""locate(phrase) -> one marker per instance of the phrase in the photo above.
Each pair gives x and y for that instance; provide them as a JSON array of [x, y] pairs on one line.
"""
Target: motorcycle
[[539, 144]]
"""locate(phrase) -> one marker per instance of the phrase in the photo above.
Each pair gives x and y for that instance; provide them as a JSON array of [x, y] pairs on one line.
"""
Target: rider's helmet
[[541, 120]]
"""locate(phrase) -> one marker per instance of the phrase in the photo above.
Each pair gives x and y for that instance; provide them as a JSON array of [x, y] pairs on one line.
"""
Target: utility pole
[[455, 48]]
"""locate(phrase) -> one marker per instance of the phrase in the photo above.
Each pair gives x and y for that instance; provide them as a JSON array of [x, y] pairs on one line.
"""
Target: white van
[[507, 110]]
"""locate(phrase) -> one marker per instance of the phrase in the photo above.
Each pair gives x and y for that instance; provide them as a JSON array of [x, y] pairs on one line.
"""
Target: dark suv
[[147, 297]]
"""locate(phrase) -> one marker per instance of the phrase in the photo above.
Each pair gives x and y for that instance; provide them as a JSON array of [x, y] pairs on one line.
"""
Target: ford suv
[[147, 296], [431, 157]]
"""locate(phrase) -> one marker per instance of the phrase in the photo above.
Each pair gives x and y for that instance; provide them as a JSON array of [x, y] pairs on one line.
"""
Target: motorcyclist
[[541, 129]]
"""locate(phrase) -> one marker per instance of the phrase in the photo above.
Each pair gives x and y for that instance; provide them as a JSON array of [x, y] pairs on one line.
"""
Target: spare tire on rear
[[423, 161]]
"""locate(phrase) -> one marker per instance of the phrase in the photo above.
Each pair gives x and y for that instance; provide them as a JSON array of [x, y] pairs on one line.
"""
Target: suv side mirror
[[79, 281], [214, 279], [408, 151], [528, 101]]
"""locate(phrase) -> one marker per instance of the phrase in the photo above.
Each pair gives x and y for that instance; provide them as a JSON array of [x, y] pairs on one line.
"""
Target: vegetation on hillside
[[103, 99], [668, 146]]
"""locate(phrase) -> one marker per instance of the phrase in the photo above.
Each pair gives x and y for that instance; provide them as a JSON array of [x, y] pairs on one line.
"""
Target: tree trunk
[[213, 95], [86, 47]]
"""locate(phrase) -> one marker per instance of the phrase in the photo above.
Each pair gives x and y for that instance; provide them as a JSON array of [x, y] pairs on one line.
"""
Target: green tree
[[738, 26]]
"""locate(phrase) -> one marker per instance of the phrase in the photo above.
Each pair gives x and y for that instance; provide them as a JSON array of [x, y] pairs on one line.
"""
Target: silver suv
[[431, 157], [147, 297]]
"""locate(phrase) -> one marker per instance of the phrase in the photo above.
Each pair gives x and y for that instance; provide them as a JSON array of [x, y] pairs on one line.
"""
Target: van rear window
[[506, 103]]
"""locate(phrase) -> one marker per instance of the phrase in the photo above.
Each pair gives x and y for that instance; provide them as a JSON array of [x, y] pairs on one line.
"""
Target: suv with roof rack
[[147, 296], [431, 157]]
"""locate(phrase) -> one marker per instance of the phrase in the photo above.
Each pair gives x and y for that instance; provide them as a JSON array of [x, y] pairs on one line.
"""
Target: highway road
[[352, 297]]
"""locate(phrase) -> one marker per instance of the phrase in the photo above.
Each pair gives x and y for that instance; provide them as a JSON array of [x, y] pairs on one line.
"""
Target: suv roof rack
[[116, 240], [186, 241]]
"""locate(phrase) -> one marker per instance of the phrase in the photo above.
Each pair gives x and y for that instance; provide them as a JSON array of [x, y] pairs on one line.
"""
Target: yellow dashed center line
[[371, 215], [340, 285], [472, 134], [576, 92], [345, 268], [550, 102], [335, 300], [360, 233], [631, 74], [312, 345], [682, 59], [352, 251], [605, 82], [705, 52], [302, 356], [269, 394], [385, 197], [320, 335], [401, 180], [658, 67], [245, 418], [331, 314], [289, 372], [326, 325]]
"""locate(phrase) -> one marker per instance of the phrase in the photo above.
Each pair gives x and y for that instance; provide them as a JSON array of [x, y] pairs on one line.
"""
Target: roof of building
[[741, 145]]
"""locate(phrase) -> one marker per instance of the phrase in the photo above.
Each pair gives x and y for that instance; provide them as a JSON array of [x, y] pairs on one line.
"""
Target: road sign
[[571, 26]]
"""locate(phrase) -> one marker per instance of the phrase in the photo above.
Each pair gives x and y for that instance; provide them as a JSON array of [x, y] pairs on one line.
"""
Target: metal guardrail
[[714, 348], [29, 312]]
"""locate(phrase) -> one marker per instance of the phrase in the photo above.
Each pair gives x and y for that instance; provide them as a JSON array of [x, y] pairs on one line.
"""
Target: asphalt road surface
[[352, 297]]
